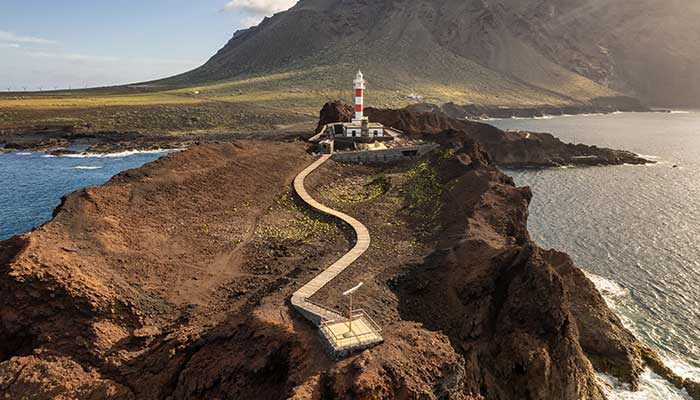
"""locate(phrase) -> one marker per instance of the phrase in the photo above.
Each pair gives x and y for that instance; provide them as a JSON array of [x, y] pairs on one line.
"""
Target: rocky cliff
[[172, 281], [505, 148]]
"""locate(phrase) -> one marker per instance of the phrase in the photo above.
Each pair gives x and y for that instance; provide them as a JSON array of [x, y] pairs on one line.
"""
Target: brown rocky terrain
[[505, 148], [172, 281]]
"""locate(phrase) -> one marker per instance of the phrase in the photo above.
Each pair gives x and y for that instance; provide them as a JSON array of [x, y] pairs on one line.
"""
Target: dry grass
[[262, 103]]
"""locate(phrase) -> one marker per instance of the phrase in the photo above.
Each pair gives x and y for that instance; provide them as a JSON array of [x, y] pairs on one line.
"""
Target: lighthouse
[[359, 97], [360, 127]]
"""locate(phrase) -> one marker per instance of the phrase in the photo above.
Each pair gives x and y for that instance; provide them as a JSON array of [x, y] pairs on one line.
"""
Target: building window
[[376, 133]]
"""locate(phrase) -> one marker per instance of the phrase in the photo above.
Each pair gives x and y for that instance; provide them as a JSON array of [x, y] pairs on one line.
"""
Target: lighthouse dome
[[359, 78]]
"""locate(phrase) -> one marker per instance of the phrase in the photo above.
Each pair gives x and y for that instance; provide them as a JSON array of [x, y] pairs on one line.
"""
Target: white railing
[[357, 339]]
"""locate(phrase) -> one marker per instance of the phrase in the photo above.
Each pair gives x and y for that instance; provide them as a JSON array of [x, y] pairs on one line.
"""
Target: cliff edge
[[171, 282]]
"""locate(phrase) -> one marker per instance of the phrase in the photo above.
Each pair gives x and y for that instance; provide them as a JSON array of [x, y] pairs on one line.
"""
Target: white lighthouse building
[[360, 126], [359, 97]]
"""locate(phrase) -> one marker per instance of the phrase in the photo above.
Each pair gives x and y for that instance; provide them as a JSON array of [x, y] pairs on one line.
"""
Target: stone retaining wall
[[385, 155]]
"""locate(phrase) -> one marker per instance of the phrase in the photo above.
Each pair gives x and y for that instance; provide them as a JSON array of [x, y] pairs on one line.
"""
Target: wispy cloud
[[108, 59], [57, 68], [259, 8], [71, 56], [9, 46], [14, 38]]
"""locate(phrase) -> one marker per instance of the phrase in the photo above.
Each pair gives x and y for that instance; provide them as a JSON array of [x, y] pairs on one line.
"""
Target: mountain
[[491, 52]]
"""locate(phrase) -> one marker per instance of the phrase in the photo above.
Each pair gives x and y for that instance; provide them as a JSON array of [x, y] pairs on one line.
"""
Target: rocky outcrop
[[600, 105], [172, 282], [414, 363], [505, 148], [489, 289]]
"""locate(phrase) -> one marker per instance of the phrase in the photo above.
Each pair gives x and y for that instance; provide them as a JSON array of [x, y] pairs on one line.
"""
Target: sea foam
[[651, 387], [682, 368], [609, 289], [119, 154]]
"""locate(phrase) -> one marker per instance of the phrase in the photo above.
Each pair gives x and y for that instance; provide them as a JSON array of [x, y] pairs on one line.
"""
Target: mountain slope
[[494, 52]]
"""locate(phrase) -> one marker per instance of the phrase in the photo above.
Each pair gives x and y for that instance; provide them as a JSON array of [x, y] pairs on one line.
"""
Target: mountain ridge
[[520, 52]]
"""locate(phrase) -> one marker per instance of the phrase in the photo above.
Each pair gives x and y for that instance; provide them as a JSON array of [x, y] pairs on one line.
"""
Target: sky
[[57, 44]]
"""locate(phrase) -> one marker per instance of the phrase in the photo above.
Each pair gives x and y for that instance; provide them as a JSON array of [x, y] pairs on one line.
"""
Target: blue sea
[[635, 230], [32, 183]]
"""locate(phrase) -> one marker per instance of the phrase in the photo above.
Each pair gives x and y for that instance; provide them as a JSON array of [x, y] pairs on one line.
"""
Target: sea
[[32, 183], [634, 230]]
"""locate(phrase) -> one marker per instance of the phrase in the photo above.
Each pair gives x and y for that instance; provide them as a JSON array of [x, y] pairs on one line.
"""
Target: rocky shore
[[58, 140], [172, 281], [601, 105], [515, 149]]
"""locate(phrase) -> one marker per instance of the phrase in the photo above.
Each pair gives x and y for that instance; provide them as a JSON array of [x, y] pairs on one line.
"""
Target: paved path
[[314, 312]]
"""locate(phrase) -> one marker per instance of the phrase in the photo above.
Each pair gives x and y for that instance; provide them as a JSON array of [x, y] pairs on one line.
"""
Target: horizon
[[73, 46]]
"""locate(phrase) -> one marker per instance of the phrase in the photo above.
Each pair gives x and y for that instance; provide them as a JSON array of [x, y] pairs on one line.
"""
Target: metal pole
[[349, 293], [350, 315]]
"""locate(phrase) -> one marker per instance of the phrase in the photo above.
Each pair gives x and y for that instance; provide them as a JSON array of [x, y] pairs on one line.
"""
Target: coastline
[[150, 313], [502, 198], [478, 112]]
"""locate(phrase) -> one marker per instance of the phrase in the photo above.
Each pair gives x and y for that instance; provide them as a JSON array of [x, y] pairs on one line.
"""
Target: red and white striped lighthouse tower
[[359, 96]]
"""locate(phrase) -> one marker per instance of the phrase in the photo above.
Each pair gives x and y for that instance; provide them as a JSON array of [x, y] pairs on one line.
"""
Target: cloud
[[9, 46], [6, 36], [64, 69], [260, 7], [71, 56]]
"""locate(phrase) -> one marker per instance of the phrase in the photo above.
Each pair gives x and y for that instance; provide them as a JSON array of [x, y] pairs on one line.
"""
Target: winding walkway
[[300, 299]]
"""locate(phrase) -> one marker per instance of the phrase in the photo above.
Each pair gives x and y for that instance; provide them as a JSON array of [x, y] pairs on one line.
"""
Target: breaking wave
[[651, 387], [119, 154]]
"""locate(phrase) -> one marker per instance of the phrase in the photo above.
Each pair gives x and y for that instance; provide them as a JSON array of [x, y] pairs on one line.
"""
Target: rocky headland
[[600, 105], [172, 281], [518, 149]]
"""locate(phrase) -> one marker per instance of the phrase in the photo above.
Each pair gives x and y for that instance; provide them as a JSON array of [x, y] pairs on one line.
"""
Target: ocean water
[[635, 230], [32, 183]]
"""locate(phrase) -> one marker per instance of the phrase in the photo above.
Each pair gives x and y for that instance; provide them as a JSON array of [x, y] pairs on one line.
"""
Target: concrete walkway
[[300, 299]]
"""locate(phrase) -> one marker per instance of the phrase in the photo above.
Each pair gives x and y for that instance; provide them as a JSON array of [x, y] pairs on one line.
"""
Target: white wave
[[119, 154], [48, 156], [544, 117], [680, 112], [24, 154], [648, 156], [611, 291], [651, 387], [87, 167], [682, 368]]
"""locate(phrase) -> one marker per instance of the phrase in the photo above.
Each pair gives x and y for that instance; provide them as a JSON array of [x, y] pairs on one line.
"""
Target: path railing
[[300, 299]]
